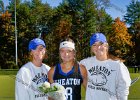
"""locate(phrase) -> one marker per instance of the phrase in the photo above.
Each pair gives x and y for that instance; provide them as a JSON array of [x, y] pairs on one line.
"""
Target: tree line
[[76, 18]]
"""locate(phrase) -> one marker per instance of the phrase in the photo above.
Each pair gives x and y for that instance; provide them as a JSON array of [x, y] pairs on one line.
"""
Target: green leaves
[[51, 89], [133, 12], [77, 18]]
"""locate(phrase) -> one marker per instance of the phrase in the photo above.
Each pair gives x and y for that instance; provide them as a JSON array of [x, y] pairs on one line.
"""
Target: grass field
[[135, 88], [7, 88]]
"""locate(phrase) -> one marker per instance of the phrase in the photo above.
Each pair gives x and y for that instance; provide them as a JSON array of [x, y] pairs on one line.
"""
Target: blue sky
[[118, 8]]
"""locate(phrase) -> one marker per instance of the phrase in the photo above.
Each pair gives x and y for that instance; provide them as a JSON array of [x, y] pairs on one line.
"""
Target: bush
[[10, 65]]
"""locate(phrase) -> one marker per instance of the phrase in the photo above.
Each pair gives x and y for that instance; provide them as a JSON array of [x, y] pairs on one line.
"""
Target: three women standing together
[[104, 77]]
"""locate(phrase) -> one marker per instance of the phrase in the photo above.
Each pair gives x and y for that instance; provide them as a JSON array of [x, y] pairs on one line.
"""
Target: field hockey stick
[[134, 80]]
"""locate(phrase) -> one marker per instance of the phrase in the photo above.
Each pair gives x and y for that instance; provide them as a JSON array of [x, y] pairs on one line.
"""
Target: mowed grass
[[7, 89], [134, 93]]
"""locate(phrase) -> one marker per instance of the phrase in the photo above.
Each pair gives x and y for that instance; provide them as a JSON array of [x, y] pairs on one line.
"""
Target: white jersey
[[28, 79], [107, 80]]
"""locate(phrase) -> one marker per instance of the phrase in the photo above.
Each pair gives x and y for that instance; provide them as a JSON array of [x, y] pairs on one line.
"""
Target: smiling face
[[100, 49], [67, 54], [38, 54]]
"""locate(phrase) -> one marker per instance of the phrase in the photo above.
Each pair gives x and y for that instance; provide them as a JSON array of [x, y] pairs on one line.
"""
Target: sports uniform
[[71, 81], [108, 77], [28, 79], [107, 80]]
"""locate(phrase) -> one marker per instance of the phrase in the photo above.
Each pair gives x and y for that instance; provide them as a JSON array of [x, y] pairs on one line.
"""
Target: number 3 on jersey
[[69, 93]]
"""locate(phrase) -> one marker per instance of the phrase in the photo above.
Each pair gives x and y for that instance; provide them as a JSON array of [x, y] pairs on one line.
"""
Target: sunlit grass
[[7, 91], [7, 87]]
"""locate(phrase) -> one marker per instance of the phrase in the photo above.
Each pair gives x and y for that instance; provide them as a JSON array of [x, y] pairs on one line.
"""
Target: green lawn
[[135, 88], [7, 88]]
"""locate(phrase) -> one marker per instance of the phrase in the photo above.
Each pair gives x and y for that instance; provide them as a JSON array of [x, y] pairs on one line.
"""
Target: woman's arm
[[123, 82], [50, 74], [84, 75]]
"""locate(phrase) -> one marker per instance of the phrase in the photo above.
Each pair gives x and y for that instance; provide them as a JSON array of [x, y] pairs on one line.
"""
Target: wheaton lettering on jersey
[[69, 81], [40, 78], [99, 69]]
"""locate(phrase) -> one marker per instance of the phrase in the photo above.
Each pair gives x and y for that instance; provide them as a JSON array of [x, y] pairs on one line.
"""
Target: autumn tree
[[7, 41], [79, 18], [120, 39]]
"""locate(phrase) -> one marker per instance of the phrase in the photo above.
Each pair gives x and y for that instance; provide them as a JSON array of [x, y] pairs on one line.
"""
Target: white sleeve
[[83, 62], [21, 87], [123, 83]]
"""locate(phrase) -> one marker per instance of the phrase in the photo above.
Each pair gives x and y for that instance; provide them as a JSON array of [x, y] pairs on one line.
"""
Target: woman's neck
[[37, 63], [102, 58], [67, 65]]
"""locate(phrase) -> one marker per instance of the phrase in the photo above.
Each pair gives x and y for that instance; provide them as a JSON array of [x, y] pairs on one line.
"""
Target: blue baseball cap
[[97, 37], [35, 42]]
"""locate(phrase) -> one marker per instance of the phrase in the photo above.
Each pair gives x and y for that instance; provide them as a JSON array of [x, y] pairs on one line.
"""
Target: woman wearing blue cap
[[33, 74], [108, 77]]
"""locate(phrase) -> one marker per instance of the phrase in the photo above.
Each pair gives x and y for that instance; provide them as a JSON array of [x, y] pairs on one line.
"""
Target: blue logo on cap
[[97, 37]]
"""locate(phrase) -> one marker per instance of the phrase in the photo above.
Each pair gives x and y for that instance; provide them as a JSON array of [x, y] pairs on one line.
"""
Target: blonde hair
[[30, 56]]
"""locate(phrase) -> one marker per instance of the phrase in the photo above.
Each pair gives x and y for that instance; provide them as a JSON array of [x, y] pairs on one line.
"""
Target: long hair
[[69, 39], [113, 57]]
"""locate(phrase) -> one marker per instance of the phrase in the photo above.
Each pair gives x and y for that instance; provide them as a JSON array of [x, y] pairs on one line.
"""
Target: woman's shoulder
[[115, 61], [87, 59], [25, 69], [46, 66], [53, 68]]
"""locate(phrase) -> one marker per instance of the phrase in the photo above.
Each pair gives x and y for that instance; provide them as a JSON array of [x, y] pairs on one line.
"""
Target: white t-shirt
[[107, 80], [28, 79]]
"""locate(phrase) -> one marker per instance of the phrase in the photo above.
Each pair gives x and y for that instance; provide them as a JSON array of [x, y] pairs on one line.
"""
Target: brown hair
[[111, 56], [69, 38]]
